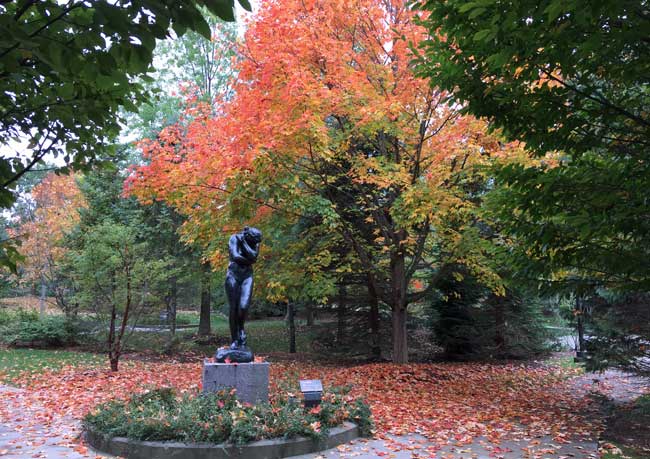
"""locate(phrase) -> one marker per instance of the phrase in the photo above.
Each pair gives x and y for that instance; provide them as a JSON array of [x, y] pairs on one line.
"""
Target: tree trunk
[[340, 314], [67, 308], [499, 322], [110, 341], [373, 319], [400, 348], [580, 326], [310, 315], [172, 301], [292, 327], [42, 299], [117, 347], [204, 319], [172, 307], [398, 307]]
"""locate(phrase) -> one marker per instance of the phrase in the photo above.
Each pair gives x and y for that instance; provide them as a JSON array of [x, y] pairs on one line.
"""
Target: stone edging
[[263, 449]]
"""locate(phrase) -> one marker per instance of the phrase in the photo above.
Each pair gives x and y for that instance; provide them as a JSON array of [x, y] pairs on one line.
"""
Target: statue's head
[[252, 235]]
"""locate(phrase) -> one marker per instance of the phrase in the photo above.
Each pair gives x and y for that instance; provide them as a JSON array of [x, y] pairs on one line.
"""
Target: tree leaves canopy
[[559, 75], [562, 76]]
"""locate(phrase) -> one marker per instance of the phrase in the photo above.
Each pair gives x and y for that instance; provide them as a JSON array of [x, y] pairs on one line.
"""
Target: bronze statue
[[244, 248]]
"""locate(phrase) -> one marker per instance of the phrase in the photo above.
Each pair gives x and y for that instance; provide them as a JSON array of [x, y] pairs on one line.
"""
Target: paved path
[[26, 431], [617, 386], [417, 447]]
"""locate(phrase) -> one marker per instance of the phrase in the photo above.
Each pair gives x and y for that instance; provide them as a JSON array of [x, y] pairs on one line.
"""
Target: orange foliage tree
[[57, 202], [331, 132]]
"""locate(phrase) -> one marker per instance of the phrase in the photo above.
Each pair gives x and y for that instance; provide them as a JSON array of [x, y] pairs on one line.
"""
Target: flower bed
[[163, 415]]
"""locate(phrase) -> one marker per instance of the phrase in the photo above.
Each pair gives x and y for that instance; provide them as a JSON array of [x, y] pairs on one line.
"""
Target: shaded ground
[[626, 407], [628, 429]]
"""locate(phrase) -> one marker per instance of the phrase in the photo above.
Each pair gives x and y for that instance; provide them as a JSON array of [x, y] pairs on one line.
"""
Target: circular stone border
[[262, 449]]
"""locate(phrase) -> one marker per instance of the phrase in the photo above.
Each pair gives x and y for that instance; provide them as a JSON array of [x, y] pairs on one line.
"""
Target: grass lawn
[[15, 361], [265, 336], [566, 361]]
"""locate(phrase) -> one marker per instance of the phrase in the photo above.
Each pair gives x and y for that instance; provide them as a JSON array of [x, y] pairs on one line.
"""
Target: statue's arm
[[250, 251], [236, 254]]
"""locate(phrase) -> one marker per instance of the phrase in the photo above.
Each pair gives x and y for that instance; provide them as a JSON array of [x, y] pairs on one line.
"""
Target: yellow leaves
[[276, 291], [237, 415], [320, 259], [518, 71], [552, 79], [343, 270], [379, 172], [58, 201]]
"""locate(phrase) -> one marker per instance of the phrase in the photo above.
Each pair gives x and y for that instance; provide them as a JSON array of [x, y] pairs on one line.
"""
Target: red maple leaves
[[446, 403]]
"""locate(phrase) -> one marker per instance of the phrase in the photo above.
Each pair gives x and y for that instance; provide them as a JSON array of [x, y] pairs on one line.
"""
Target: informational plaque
[[311, 385]]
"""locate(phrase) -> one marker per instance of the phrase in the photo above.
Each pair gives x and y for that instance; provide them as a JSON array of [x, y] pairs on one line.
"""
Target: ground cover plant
[[164, 415]]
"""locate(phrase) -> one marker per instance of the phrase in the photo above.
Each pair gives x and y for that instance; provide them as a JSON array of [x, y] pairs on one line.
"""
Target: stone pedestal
[[251, 380]]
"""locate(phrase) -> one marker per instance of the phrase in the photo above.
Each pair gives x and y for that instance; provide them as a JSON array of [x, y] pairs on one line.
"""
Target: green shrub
[[219, 417], [27, 329], [362, 417], [5, 317], [8, 317]]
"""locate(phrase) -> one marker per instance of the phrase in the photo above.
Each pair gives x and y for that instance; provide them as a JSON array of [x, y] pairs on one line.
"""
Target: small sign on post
[[312, 390]]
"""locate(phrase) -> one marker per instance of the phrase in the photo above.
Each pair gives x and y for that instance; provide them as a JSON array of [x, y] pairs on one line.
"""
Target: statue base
[[250, 380], [241, 355]]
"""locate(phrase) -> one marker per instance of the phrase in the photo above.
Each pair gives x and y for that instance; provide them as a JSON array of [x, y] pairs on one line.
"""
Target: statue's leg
[[244, 302], [233, 292]]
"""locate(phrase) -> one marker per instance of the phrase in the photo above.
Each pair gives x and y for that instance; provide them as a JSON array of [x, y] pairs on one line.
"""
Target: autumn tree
[[193, 73], [329, 125], [57, 201]]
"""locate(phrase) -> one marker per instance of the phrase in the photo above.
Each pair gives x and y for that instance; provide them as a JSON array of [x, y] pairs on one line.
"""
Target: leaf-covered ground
[[446, 403]]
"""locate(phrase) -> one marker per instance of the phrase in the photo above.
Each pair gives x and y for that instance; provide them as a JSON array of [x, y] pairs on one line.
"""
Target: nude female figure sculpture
[[243, 248]]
